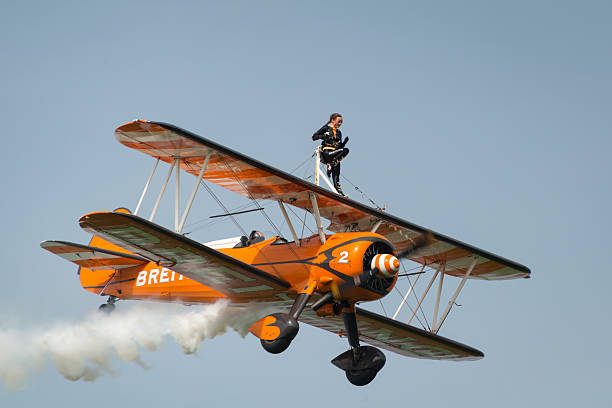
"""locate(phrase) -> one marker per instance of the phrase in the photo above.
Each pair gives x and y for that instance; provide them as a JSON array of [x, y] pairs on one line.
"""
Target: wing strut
[[193, 193], [161, 193], [289, 224], [177, 191], [436, 324], [146, 187], [108, 283], [435, 315], [425, 293], [436, 327], [408, 293], [375, 227], [317, 214]]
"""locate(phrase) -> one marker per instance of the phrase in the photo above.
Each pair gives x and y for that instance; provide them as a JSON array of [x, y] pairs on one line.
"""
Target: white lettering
[[153, 275], [172, 278], [163, 276], [142, 278]]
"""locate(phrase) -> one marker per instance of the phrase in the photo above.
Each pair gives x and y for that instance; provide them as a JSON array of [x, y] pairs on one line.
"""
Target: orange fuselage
[[336, 265]]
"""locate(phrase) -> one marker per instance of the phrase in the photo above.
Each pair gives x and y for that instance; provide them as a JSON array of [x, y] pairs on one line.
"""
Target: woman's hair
[[332, 117]]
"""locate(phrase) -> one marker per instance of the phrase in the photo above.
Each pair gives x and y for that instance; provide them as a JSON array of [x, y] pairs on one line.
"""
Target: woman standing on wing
[[333, 149]]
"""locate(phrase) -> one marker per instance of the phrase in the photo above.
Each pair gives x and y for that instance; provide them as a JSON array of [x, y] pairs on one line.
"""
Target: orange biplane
[[317, 279]]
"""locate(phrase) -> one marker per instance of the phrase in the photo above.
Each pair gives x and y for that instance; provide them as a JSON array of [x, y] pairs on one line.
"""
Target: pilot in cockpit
[[253, 238]]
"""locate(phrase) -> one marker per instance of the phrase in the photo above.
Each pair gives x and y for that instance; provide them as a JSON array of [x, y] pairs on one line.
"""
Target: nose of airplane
[[386, 264]]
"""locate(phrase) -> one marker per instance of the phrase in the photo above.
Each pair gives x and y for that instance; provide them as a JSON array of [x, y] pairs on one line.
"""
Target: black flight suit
[[332, 152]]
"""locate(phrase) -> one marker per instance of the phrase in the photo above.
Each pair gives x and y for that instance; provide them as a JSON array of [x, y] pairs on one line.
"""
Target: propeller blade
[[420, 241]]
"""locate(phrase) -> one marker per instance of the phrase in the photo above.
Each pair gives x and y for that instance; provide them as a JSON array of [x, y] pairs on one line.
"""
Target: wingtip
[[132, 126], [49, 243]]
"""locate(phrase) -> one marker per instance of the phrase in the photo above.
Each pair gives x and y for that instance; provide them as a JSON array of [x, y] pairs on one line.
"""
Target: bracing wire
[[411, 309], [383, 308], [248, 192], [364, 195], [278, 232], [234, 220], [305, 213], [304, 224], [223, 207], [301, 164], [415, 297], [227, 165], [197, 225], [407, 271]]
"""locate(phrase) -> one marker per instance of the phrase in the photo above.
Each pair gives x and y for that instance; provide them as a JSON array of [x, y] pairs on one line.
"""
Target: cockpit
[[237, 242], [253, 238]]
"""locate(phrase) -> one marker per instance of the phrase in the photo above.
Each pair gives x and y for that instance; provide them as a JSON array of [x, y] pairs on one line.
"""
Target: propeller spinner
[[386, 264]]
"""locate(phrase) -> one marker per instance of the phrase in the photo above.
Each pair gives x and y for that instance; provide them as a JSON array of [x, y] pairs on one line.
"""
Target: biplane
[[317, 279]]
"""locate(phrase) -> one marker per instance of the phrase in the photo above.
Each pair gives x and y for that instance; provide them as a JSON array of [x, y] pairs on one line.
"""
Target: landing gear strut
[[109, 306], [361, 363], [287, 325]]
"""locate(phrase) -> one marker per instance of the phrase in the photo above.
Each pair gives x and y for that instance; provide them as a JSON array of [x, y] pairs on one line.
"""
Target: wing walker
[[318, 279]]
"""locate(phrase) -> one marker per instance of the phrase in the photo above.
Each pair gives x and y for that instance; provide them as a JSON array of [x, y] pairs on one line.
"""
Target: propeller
[[417, 242]]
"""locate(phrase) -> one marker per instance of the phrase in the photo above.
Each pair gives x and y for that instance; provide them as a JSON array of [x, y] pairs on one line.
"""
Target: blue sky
[[485, 121]]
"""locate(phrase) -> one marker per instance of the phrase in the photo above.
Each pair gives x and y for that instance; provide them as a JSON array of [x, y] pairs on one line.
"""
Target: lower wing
[[396, 336]]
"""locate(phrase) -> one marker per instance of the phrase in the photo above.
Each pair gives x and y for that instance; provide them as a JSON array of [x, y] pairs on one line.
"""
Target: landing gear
[[361, 363], [288, 328], [109, 306], [283, 326], [361, 378], [360, 368]]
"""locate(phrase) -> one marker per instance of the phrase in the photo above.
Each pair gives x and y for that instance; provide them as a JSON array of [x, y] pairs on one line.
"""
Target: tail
[[98, 262]]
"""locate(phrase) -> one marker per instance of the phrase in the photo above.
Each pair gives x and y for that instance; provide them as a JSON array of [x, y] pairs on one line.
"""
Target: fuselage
[[337, 265]]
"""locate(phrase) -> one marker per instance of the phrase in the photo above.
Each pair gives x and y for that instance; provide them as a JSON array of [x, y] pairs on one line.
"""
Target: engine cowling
[[347, 269]]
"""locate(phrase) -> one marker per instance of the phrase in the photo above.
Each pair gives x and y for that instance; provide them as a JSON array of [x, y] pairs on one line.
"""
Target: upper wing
[[397, 337], [235, 279], [256, 180], [91, 257]]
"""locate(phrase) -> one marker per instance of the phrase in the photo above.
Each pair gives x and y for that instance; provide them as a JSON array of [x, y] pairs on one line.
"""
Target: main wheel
[[106, 308], [276, 346], [361, 377], [286, 330]]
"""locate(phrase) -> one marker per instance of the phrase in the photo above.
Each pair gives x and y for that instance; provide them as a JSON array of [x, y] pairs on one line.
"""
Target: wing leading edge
[[255, 180]]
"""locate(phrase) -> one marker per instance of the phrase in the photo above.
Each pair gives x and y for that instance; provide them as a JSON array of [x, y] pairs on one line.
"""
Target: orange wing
[[255, 180], [238, 281], [397, 337], [91, 257]]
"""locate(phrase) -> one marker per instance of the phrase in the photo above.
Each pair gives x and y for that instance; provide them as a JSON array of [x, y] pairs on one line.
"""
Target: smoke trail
[[84, 350]]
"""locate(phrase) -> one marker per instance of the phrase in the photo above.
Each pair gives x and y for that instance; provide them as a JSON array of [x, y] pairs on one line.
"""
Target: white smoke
[[85, 350]]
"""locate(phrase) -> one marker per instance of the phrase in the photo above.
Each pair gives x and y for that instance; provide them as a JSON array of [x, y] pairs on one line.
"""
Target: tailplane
[[90, 257], [98, 262]]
